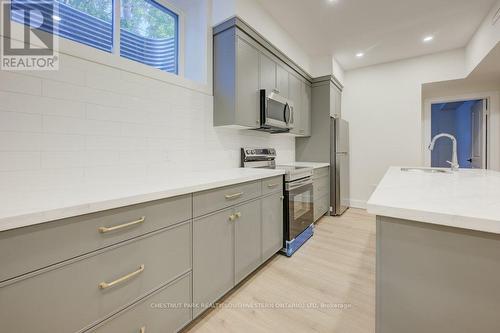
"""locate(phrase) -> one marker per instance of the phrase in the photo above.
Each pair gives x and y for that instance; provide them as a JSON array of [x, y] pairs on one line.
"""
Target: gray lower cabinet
[[166, 310], [272, 224], [321, 192], [27, 249], [213, 258], [248, 249], [75, 295], [130, 274]]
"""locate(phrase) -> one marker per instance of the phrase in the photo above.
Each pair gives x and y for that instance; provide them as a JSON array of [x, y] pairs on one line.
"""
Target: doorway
[[467, 121]]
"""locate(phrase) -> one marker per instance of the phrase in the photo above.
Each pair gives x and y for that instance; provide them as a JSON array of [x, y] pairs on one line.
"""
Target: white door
[[478, 124]]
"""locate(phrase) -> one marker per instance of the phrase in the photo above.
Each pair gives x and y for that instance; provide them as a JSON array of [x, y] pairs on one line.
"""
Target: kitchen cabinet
[[267, 72], [295, 96], [321, 192], [236, 81], [247, 84], [306, 110], [192, 248], [272, 224], [247, 239], [335, 101], [282, 80], [245, 63], [300, 94], [213, 257]]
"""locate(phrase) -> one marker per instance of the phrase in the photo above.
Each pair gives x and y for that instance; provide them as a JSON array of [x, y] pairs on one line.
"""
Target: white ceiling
[[385, 30]]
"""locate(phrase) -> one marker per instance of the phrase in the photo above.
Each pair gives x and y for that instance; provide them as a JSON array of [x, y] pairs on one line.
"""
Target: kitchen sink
[[425, 170]]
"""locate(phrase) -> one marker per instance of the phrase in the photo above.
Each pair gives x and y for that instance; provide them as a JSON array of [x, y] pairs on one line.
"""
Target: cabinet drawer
[[167, 310], [321, 207], [321, 187], [321, 172], [212, 200], [271, 185], [27, 249], [76, 289]]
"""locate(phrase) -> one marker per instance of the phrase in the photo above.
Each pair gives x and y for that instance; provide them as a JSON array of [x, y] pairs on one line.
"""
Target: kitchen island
[[438, 251]]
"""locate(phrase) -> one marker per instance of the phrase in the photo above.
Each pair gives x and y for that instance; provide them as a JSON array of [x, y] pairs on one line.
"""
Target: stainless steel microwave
[[276, 112]]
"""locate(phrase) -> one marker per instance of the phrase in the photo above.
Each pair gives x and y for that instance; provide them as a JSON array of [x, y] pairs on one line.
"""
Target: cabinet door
[[306, 110], [213, 257], [272, 225], [282, 81], [295, 95], [248, 239], [335, 101], [247, 82], [267, 73]]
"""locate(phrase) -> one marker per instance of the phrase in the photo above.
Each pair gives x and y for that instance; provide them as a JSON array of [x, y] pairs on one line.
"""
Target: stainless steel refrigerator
[[339, 166]]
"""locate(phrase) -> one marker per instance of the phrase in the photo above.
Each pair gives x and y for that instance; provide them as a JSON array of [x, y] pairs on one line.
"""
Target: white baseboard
[[358, 203]]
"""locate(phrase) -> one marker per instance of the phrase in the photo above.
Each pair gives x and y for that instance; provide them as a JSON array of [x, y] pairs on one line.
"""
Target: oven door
[[299, 207]]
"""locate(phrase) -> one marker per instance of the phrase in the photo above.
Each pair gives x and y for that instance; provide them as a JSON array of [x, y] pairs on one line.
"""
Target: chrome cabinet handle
[[238, 215], [105, 285], [104, 230], [272, 185], [282, 197], [232, 217], [233, 196], [143, 329]]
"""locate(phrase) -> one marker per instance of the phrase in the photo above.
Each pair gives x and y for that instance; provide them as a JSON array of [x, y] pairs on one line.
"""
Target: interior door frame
[[491, 126]]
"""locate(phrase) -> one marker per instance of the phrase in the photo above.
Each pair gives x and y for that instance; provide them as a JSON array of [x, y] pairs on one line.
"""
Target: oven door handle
[[298, 184]]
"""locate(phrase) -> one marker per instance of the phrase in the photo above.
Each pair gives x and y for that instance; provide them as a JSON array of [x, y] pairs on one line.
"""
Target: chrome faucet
[[454, 160]]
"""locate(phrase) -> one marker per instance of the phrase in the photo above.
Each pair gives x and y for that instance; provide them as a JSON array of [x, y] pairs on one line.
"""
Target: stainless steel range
[[298, 208]]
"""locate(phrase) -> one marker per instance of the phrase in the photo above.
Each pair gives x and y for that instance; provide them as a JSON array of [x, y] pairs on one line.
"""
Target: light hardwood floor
[[336, 266]]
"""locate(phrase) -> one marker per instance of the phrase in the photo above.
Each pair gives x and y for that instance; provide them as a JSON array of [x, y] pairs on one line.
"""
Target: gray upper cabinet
[[272, 224], [247, 83], [306, 109], [335, 101], [282, 78], [295, 95], [267, 72], [247, 239], [236, 81], [244, 64]]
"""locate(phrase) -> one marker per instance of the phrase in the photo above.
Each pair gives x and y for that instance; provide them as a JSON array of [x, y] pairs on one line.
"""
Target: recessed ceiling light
[[56, 18], [360, 54], [428, 39]]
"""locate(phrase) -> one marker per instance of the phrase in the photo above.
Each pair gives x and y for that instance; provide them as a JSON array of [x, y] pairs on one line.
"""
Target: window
[[149, 32], [85, 21]]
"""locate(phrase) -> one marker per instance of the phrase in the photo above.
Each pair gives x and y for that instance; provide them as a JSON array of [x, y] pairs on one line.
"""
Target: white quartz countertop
[[314, 165], [468, 199], [25, 208]]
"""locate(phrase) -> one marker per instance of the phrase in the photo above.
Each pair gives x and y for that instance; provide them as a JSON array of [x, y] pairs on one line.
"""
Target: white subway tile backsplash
[[89, 123], [20, 142], [15, 82], [20, 122], [62, 142], [10, 161]]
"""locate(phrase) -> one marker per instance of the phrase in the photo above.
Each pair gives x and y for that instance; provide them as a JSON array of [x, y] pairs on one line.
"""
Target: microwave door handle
[[287, 108]]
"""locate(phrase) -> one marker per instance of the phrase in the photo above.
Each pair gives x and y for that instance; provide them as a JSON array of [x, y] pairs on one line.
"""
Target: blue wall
[[457, 122]]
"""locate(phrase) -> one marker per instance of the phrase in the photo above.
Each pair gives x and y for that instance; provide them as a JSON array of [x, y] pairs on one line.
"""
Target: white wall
[[484, 40], [89, 123], [383, 105]]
